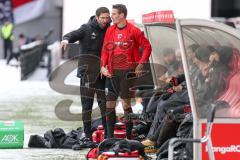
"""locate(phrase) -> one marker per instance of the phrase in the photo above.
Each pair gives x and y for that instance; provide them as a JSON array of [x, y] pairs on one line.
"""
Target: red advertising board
[[164, 17], [159, 16], [148, 18], [226, 141]]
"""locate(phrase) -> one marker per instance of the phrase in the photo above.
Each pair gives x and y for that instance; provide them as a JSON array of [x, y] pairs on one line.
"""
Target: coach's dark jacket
[[90, 37]]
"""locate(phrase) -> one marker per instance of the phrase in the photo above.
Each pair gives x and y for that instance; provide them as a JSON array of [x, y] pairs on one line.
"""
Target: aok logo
[[224, 150], [10, 139]]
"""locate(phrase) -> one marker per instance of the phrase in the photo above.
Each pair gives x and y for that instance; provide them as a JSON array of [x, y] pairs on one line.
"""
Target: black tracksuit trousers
[[87, 93]]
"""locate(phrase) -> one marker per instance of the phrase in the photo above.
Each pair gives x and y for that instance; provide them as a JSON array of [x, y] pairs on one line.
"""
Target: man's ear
[[122, 15]]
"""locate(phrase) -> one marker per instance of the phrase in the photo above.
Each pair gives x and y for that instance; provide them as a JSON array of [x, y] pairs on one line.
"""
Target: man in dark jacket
[[90, 37]]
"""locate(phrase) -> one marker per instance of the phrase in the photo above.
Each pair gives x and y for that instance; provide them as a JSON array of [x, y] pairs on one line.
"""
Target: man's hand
[[168, 80], [64, 44], [162, 78], [205, 71], [139, 70], [105, 72], [213, 57], [178, 88]]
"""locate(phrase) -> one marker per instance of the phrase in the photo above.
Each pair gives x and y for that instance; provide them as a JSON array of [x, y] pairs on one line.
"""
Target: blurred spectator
[[22, 40], [6, 34], [173, 66], [214, 68]]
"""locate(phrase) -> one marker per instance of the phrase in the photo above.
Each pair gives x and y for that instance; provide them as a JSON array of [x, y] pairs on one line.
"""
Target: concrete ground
[[34, 102]]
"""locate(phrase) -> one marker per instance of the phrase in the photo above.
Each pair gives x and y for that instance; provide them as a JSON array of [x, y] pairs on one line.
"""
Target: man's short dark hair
[[21, 35], [225, 53], [203, 54], [101, 10], [193, 47], [121, 9]]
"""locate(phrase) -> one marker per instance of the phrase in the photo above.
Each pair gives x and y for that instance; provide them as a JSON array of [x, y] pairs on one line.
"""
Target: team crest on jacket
[[120, 36], [93, 35]]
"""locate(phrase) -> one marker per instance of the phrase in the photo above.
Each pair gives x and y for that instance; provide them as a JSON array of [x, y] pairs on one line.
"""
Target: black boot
[[102, 105], [87, 124], [104, 123]]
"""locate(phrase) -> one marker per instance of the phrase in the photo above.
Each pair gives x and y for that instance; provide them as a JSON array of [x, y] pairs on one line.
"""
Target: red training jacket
[[124, 42]]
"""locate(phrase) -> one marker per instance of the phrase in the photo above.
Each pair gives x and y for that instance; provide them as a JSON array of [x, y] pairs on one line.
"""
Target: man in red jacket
[[120, 56]]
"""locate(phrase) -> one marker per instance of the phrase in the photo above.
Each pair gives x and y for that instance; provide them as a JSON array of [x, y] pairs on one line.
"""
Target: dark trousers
[[176, 99], [87, 92], [7, 44]]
